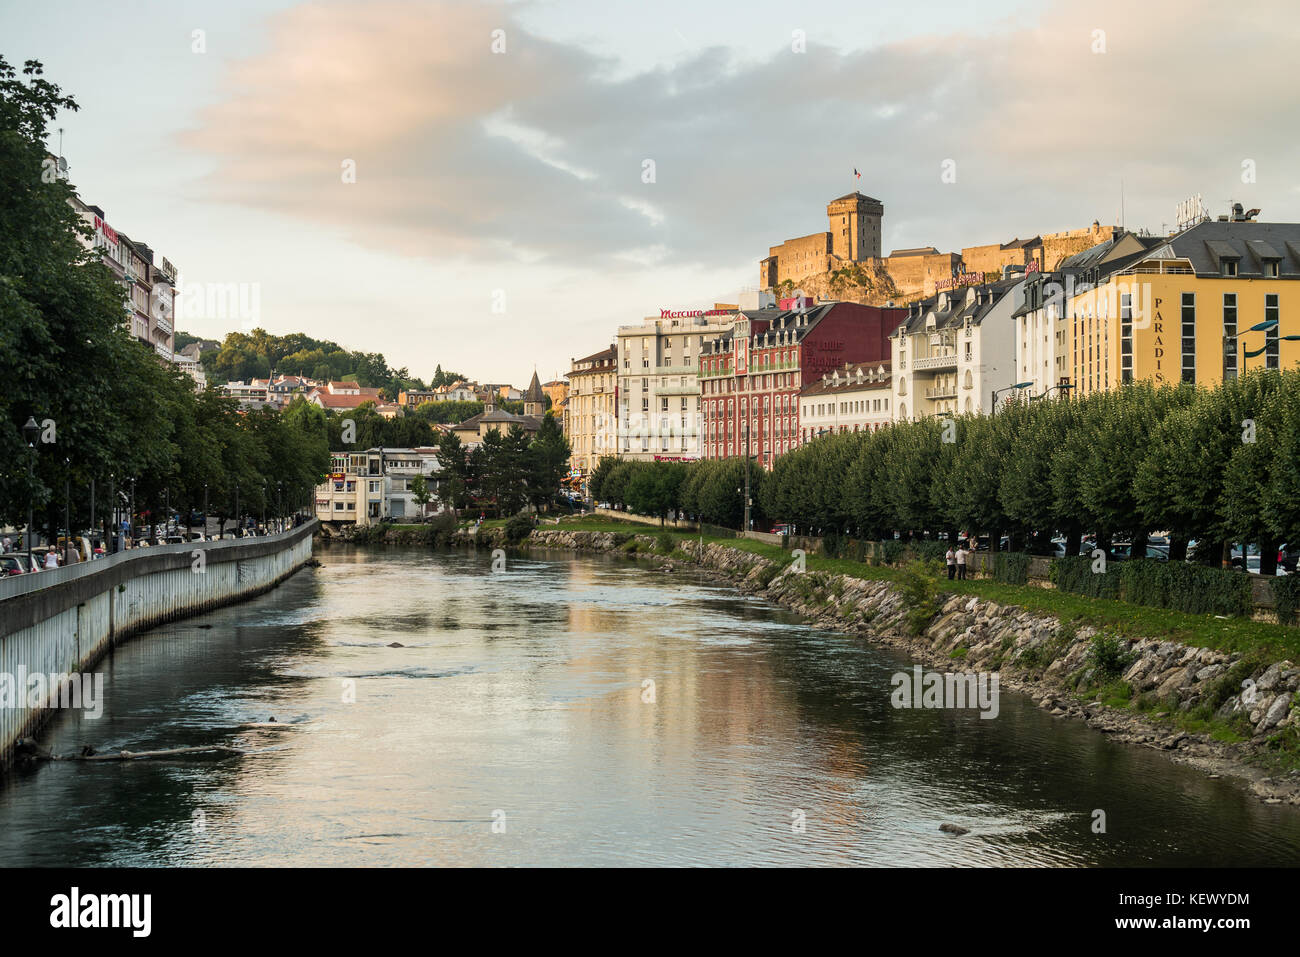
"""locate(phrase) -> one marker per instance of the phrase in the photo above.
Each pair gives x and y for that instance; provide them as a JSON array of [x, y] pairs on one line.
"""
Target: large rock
[[1274, 713]]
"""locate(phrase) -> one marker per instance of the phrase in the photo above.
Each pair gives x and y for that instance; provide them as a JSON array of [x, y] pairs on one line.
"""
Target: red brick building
[[751, 377]]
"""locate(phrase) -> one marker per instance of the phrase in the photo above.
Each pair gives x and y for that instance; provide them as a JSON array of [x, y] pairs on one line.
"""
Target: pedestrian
[[951, 560], [5, 545], [961, 561], [52, 558]]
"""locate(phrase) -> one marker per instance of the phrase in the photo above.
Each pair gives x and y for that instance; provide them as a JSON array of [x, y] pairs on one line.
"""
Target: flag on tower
[[856, 173]]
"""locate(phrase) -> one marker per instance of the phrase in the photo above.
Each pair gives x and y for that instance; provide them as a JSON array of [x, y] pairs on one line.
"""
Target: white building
[[658, 383], [855, 398], [192, 368], [954, 350], [367, 487]]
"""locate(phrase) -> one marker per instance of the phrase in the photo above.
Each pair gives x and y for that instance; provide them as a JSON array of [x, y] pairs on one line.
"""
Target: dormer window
[[1229, 267], [1270, 269]]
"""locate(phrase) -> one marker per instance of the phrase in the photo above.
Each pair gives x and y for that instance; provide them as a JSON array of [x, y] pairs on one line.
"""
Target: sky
[[495, 187]]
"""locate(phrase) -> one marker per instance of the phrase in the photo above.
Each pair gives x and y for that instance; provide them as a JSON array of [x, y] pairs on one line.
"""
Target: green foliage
[[119, 415], [1011, 567], [1180, 586], [918, 584], [518, 528], [1108, 657], [1286, 597], [1074, 573]]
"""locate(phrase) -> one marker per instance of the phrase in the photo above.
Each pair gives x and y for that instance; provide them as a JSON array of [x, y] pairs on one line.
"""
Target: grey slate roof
[[1207, 244]]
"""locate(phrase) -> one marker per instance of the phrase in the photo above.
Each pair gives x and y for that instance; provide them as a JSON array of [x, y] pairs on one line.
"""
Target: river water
[[517, 726]]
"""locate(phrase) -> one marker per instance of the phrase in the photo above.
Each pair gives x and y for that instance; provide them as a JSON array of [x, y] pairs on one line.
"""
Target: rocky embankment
[[1033, 653]]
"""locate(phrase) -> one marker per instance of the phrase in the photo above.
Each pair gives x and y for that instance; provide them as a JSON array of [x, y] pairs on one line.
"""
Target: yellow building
[[1182, 308], [590, 417]]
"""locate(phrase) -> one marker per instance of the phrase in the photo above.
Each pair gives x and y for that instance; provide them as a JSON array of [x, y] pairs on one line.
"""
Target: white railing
[[935, 362]]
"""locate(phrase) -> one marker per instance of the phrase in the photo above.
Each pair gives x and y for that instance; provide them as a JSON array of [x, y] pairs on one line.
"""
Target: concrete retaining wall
[[63, 621]]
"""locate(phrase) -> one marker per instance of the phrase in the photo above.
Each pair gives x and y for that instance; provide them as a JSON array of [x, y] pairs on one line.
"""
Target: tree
[[420, 492], [547, 461], [453, 488]]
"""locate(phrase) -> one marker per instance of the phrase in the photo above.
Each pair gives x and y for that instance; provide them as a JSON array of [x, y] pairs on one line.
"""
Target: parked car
[[781, 529], [12, 565]]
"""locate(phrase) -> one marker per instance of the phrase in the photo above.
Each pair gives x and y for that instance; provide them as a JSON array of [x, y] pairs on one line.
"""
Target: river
[[517, 725]]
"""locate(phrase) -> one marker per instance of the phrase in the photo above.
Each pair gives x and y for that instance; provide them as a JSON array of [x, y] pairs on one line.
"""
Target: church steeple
[[534, 399]]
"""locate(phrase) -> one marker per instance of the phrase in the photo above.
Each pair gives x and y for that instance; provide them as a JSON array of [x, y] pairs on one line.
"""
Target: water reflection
[[523, 697]]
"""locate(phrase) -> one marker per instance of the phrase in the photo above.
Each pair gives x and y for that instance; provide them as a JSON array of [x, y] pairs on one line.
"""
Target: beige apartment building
[[590, 419], [659, 386]]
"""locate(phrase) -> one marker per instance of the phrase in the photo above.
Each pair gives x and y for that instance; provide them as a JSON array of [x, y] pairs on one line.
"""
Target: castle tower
[[534, 400], [855, 226]]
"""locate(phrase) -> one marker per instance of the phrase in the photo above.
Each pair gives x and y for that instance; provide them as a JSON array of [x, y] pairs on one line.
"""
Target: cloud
[[536, 154]]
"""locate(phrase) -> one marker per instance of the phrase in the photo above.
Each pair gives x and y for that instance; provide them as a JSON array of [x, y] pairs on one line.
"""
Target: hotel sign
[[694, 313], [965, 279], [106, 229]]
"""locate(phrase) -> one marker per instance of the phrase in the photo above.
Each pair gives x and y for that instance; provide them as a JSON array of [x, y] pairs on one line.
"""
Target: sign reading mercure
[[693, 313]]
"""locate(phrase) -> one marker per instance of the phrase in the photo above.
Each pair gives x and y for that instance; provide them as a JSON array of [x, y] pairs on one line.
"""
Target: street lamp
[[1230, 343], [205, 511], [1010, 388], [30, 431], [238, 529], [67, 507], [1064, 387]]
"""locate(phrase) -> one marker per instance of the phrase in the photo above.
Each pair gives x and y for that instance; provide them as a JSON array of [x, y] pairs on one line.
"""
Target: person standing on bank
[[961, 561], [951, 560]]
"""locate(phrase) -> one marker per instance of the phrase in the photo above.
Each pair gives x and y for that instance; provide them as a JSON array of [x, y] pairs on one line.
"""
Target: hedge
[[1178, 586], [1011, 567], [1074, 573], [1286, 598]]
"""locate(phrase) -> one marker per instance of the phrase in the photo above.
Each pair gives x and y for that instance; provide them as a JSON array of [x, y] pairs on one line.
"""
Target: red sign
[[692, 313], [106, 229]]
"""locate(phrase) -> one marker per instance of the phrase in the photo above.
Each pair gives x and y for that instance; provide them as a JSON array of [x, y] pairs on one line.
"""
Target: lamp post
[[131, 517], [30, 431], [1064, 387], [263, 508], [110, 546], [1230, 344], [279, 505], [1010, 388], [67, 506], [205, 511], [239, 531]]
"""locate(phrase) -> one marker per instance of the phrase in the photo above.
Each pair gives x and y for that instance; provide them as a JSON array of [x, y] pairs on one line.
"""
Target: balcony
[[948, 361], [676, 370], [941, 392], [162, 350], [163, 324]]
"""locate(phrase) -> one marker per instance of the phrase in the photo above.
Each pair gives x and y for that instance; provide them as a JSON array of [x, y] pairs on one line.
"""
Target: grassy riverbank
[[1128, 620]]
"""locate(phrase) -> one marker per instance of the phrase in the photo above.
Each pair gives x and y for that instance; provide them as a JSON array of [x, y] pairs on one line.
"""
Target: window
[[1230, 335], [1230, 267], [1189, 337], [1125, 337], [1272, 341]]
